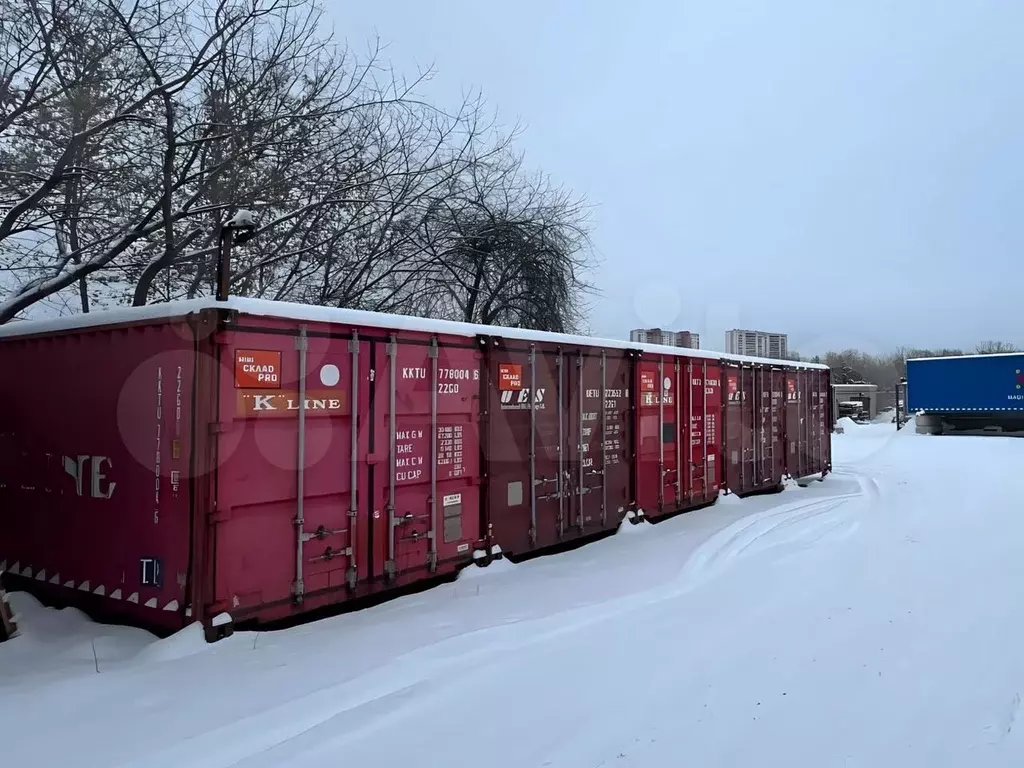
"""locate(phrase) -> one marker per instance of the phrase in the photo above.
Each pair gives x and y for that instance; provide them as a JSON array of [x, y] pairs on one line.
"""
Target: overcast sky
[[848, 172]]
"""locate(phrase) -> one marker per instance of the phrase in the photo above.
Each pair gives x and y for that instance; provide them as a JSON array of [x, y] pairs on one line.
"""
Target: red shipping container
[[172, 463], [97, 466], [251, 466], [677, 426], [560, 469], [380, 477], [755, 428], [808, 422]]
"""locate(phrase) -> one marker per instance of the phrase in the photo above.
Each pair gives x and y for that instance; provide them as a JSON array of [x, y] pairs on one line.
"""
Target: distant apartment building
[[665, 338], [757, 344]]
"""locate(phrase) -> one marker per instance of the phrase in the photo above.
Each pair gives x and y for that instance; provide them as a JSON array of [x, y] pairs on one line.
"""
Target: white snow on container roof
[[354, 317]]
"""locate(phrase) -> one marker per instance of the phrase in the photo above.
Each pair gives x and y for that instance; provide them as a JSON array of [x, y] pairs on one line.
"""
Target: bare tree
[[206, 105], [509, 249], [995, 348], [852, 366], [129, 129], [368, 254], [847, 366], [107, 72]]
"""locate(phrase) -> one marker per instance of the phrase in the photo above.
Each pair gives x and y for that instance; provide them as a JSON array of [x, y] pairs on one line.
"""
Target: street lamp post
[[239, 229]]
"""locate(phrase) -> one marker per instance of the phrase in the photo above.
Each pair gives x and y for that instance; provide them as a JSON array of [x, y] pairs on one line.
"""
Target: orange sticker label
[[257, 369], [510, 377], [277, 404], [647, 381]]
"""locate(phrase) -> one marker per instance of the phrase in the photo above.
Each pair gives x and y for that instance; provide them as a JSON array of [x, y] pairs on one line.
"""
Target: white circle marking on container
[[667, 383], [330, 375]]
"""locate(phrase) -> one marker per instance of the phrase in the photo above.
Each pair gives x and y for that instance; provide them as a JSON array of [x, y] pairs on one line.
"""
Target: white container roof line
[[354, 317], [966, 357]]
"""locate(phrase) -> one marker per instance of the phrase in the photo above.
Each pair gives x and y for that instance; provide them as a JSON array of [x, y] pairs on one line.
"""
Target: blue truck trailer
[[966, 393]]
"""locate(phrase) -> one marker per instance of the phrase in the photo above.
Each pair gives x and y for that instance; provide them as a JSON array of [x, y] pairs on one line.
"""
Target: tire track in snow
[[264, 735], [869, 486], [461, 657], [808, 522]]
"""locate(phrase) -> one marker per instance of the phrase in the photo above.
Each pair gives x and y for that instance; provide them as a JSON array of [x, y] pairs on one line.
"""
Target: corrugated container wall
[[264, 465], [678, 429], [96, 466], [559, 469], [374, 483]]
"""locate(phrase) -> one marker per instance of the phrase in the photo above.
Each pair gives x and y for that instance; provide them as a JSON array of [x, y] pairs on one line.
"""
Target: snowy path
[[871, 620]]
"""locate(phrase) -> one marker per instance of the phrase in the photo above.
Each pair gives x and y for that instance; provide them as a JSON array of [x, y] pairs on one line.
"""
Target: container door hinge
[[390, 571], [298, 592], [352, 577], [432, 561], [353, 345], [302, 343]]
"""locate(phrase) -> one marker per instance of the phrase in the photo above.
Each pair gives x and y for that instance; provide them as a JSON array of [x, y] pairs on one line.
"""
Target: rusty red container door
[[714, 476], [824, 397], [797, 424], [290, 437], [693, 431], [426, 455], [661, 435], [598, 419], [812, 409], [792, 426], [812, 431], [701, 408], [738, 420], [558, 443], [768, 428], [784, 434], [763, 447], [819, 428], [678, 427], [778, 419], [347, 460], [527, 393]]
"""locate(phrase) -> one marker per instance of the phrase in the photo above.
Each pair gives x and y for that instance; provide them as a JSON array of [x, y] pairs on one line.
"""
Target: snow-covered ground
[[875, 619]]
